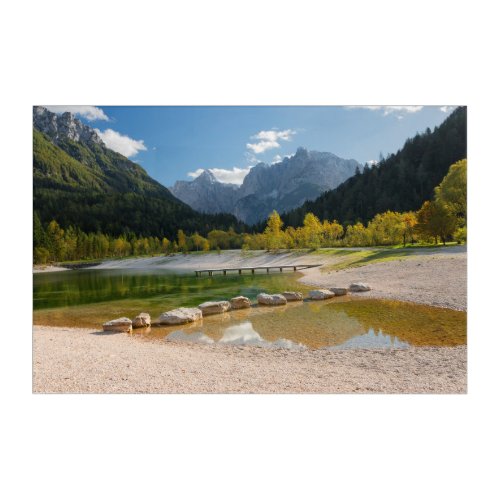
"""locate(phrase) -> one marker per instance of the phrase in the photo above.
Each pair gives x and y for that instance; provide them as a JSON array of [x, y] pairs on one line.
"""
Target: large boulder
[[141, 321], [240, 302], [292, 296], [321, 294], [339, 291], [213, 307], [359, 287], [118, 325], [180, 316], [271, 300]]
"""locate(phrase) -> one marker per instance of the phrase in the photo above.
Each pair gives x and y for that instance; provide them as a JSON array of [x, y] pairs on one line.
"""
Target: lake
[[87, 298]]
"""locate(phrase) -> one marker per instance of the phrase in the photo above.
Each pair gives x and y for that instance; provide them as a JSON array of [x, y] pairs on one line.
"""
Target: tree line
[[443, 218]]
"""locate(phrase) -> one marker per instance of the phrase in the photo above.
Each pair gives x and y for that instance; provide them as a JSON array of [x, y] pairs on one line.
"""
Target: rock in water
[[142, 320], [240, 302], [214, 307], [118, 325], [339, 291], [292, 296], [180, 316], [321, 294], [359, 287], [271, 300]]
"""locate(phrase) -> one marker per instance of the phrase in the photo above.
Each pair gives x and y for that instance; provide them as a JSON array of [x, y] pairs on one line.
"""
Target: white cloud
[[234, 175], [269, 139], [91, 113], [445, 109], [372, 162], [279, 158], [387, 110], [121, 143], [196, 173]]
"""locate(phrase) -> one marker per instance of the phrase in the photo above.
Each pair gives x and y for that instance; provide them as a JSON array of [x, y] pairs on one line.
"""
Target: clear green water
[[87, 298]]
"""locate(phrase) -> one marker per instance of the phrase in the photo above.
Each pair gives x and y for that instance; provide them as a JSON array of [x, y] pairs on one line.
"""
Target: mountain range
[[281, 186], [78, 181]]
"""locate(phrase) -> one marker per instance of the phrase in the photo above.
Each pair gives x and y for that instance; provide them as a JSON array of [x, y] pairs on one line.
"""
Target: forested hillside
[[400, 182], [86, 185]]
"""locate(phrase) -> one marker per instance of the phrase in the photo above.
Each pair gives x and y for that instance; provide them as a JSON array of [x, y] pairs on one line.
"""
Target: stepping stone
[[118, 325], [359, 287], [240, 302], [321, 294], [141, 321], [180, 316], [292, 296], [271, 300], [213, 307]]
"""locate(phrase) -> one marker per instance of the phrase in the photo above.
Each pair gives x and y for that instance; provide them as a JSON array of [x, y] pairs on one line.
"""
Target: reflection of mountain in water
[[372, 340], [240, 334]]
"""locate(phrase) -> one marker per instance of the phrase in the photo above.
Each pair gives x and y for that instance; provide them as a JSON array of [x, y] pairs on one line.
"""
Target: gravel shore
[[437, 279], [83, 361]]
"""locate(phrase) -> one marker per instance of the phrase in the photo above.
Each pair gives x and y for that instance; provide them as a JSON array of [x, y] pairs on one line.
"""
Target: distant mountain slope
[[401, 182], [281, 186], [80, 182]]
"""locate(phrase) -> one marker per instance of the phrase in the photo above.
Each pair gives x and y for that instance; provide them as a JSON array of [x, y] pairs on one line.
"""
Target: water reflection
[[240, 334], [372, 340]]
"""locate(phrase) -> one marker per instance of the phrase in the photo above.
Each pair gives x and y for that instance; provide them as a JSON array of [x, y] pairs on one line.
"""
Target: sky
[[178, 142]]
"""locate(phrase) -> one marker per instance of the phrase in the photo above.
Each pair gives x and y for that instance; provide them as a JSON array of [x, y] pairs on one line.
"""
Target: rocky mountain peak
[[206, 176], [281, 186], [64, 126]]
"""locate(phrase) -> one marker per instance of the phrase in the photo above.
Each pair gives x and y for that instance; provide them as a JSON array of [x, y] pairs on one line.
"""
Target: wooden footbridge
[[239, 270]]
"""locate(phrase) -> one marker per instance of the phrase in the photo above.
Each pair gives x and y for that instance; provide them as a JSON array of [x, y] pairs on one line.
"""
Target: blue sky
[[174, 143]]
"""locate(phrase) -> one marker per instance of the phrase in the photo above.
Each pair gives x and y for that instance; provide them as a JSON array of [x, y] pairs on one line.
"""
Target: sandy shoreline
[[78, 360], [84, 361]]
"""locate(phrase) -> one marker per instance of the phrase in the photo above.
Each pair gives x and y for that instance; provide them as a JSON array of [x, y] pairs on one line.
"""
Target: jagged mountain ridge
[[78, 181], [280, 186]]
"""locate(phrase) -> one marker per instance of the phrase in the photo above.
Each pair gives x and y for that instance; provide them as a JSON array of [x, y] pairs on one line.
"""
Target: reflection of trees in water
[[95, 286]]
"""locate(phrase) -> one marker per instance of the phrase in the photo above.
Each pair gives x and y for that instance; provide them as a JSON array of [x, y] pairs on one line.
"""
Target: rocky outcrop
[[280, 186], [213, 307], [292, 296], [206, 193], [142, 320], [359, 287], [180, 316], [271, 300], [118, 325], [321, 294], [240, 302], [64, 126], [339, 291]]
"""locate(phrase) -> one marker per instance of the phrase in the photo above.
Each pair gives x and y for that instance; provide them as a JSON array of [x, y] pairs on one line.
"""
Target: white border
[[257, 52]]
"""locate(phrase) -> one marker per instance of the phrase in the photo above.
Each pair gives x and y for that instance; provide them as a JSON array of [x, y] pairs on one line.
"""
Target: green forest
[[441, 219], [92, 203]]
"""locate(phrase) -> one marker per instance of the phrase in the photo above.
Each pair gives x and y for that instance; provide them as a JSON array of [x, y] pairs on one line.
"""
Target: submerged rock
[[213, 307], [321, 294], [292, 296], [359, 287], [118, 325], [180, 316], [240, 302], [142, 320], [339, 291], [271, 300]]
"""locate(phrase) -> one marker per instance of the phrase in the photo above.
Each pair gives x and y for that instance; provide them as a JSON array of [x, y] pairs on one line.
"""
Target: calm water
[[90, 297]]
